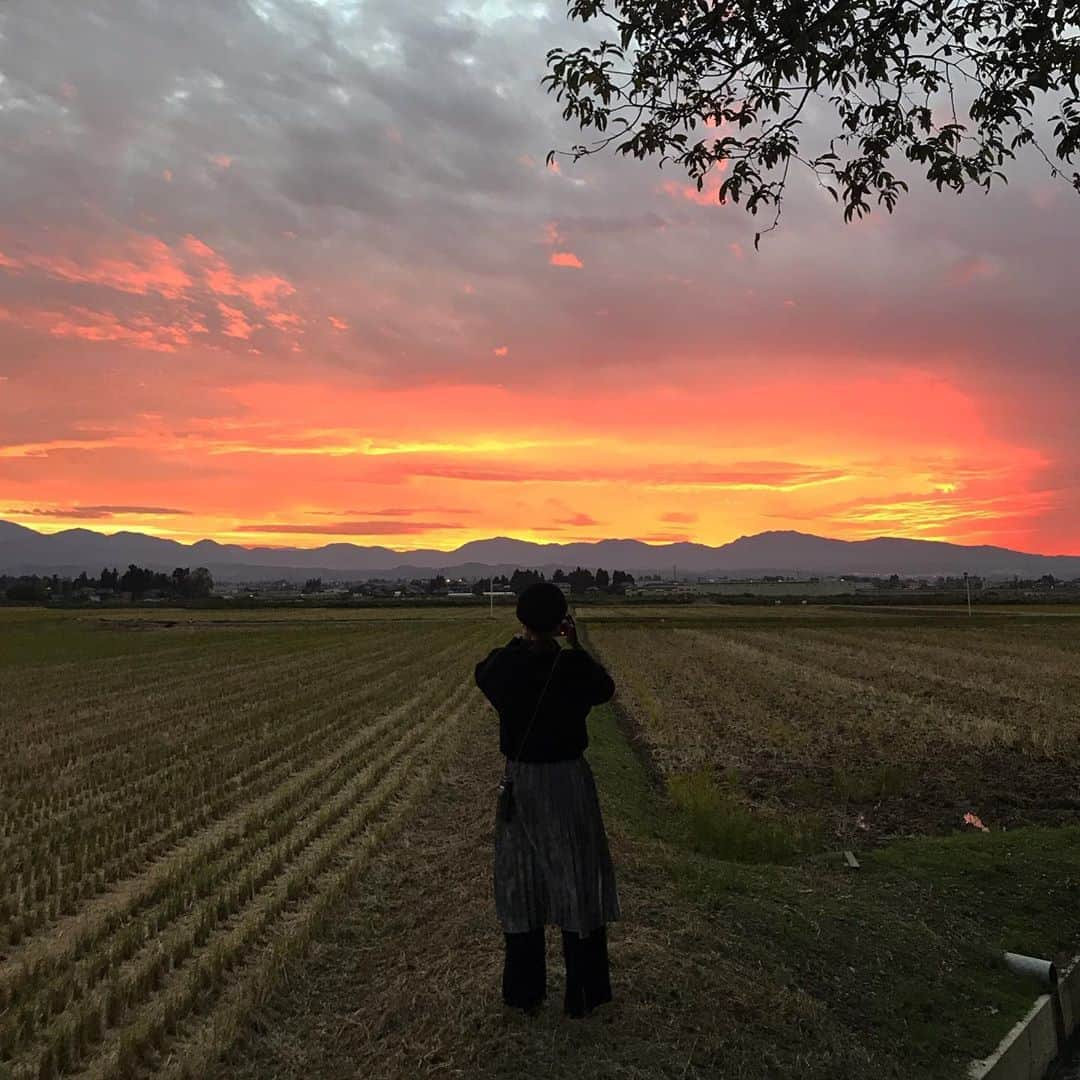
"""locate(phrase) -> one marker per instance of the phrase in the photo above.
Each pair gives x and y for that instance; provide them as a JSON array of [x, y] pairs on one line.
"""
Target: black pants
[[588, 978]]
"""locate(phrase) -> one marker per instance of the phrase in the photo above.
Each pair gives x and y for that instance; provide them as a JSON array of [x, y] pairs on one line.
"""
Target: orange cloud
[[284, 320], [966, 514], [262, 290], [975, 268], [348, 528], [501, 350], [141, 265], [103, 326], [190, 275], [234, 324], [707, 195], [565, 258]]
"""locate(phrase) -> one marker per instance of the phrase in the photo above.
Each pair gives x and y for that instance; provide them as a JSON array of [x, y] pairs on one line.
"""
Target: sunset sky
[[288, 272]]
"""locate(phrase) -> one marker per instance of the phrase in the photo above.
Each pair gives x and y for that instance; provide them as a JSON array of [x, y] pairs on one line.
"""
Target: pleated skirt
[[552, 862]]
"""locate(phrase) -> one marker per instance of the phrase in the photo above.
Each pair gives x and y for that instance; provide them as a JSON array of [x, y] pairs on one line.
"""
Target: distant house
[[564, 585]]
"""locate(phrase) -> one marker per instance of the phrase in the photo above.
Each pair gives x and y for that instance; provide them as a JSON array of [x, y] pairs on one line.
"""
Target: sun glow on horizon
[[304, 464]]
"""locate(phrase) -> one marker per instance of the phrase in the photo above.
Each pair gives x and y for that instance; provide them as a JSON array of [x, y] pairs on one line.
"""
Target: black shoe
[[574, 1006]]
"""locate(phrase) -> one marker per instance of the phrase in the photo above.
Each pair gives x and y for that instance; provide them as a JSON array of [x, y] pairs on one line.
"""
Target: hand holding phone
[[568, 629]]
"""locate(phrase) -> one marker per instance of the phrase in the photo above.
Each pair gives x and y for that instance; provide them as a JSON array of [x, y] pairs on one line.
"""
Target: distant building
[[756, 587]]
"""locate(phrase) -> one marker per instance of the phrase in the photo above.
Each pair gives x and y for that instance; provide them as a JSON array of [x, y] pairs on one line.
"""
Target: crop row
[[238, 870], [90, 725], [135, 833], [93, 946], [178, 956], [203, 740]]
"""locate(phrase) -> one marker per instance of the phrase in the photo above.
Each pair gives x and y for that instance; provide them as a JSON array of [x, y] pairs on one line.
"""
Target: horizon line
[[540, 543]]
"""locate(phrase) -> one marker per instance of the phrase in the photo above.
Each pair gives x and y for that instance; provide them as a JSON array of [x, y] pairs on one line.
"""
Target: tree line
[[579, 579], [137, 581]]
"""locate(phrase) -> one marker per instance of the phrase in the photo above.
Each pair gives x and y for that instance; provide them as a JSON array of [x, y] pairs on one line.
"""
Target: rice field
[[878, 723], [189, 799], [182, 801]]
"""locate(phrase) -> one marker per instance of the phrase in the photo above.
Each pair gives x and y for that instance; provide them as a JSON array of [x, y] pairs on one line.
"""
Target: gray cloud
[[387, 161], [99, 511]]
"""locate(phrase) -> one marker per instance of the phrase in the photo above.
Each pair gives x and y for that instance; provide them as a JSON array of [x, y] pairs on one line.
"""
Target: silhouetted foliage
[[136, 580], [313, 585], [522, 579], [951, 85], [580, 580], [31, 590]]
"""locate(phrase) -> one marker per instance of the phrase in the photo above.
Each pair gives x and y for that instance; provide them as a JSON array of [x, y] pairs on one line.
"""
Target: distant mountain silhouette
[[24, 551]]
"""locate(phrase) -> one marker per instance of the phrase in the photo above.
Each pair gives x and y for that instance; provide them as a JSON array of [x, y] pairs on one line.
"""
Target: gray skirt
[[552, 863]]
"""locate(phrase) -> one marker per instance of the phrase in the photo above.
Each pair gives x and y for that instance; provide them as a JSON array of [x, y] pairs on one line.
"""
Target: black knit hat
[[541, 607]]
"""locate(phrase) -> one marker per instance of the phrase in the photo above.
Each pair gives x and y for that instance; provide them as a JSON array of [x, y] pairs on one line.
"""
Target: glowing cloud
[[139, 264], [565, 258], [707, 195]]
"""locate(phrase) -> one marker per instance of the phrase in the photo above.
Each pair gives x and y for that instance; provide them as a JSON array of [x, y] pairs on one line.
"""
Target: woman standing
[[552, 864]]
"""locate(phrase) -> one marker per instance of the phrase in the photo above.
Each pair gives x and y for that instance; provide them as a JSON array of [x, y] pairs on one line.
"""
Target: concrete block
[[1033, 1043], [1027, 1051], [1069, 989]]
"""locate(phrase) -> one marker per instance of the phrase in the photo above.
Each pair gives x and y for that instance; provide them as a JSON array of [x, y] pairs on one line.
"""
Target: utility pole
[[491, 596], [967, 585]]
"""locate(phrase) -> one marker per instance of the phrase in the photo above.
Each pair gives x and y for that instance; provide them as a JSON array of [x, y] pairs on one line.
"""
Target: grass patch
[[868, 783], [718, 824]]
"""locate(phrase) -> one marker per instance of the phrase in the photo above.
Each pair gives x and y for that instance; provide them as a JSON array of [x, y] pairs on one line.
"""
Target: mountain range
[[26, 551]]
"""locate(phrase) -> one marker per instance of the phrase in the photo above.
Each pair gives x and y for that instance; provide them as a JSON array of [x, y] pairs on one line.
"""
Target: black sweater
[[513, 677]]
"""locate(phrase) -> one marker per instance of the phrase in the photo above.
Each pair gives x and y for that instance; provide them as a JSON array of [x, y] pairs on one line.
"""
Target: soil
[[1003, 789]]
